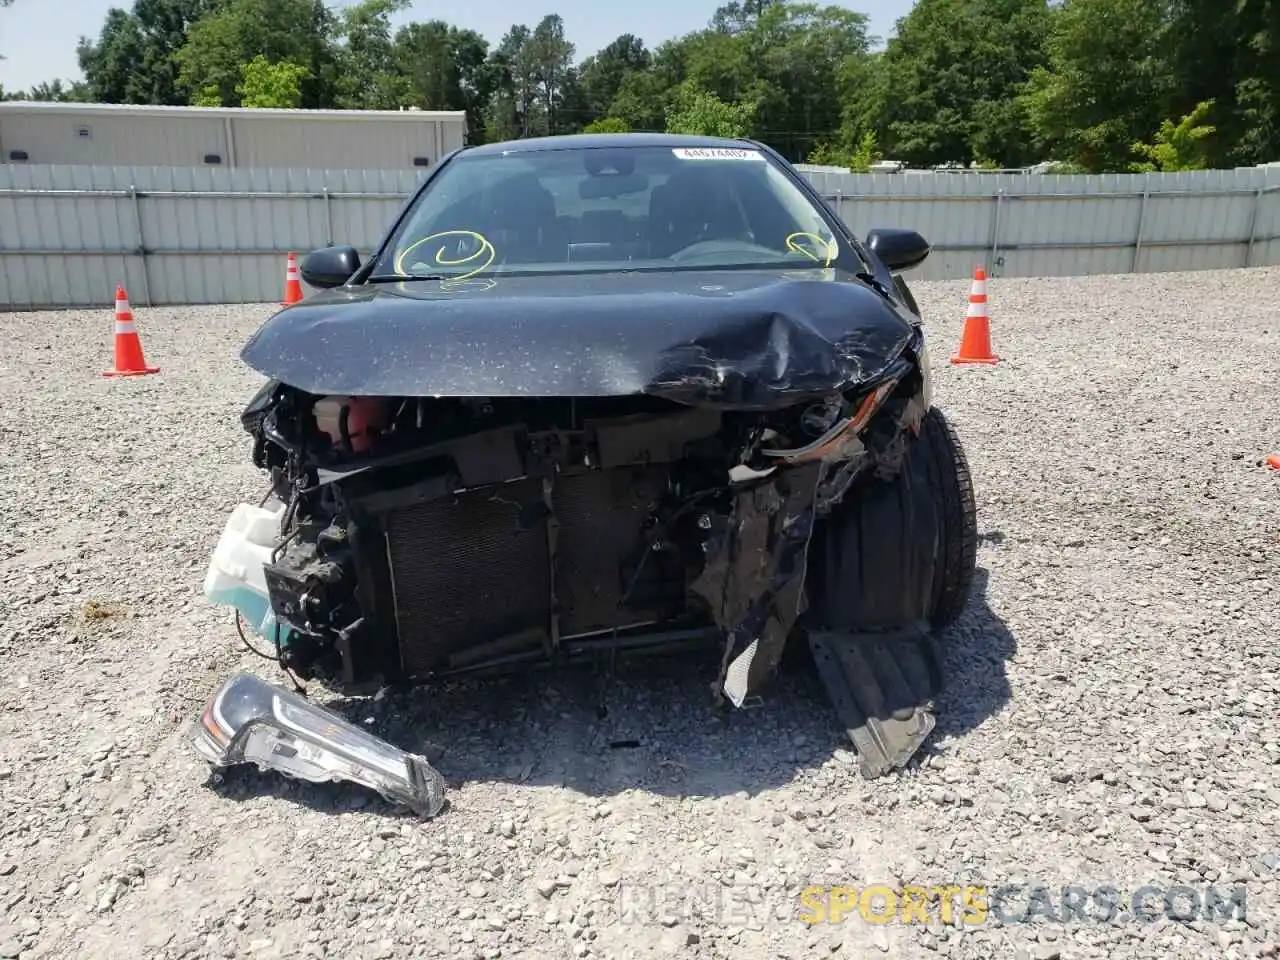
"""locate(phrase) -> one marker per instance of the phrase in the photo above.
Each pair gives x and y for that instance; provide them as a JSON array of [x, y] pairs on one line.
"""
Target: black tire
[[952, 486], [902, 550]]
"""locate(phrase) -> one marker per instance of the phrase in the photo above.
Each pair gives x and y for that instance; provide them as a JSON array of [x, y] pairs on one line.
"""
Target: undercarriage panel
[[883, 686]]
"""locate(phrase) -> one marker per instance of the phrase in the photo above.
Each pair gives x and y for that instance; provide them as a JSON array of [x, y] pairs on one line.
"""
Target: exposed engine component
[[429, 535], [351, 423]]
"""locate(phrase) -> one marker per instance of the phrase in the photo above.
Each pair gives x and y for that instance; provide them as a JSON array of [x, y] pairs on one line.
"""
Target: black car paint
[[758, 339]]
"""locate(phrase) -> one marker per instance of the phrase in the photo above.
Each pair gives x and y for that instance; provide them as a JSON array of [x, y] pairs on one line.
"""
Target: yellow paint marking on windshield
[[818, 241], [484, 253]]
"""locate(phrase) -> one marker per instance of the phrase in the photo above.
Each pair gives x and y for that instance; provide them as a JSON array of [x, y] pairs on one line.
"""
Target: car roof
[[589, 141]]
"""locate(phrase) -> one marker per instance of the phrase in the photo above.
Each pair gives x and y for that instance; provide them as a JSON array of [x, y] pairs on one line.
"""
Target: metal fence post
[[1253, 226], [328, 216], [142, 244], [995, 233], [1137, 240]]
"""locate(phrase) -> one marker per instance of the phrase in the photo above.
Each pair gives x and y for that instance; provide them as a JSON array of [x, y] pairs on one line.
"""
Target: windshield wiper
[[398, 278]]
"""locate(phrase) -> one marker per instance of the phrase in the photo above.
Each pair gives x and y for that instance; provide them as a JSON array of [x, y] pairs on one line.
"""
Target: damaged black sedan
[[602, 393]]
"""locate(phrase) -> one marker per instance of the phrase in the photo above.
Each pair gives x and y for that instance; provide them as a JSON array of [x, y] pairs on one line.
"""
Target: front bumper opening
[[248, 720]]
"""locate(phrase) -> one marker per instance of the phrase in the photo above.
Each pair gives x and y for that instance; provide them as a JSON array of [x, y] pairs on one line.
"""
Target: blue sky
[[38, 37]]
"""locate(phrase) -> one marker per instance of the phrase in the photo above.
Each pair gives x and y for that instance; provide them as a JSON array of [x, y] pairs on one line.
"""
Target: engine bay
[[419, 537]]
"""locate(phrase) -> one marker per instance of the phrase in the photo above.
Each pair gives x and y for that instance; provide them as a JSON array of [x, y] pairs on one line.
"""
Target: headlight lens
[[841, 441], [251, 721]]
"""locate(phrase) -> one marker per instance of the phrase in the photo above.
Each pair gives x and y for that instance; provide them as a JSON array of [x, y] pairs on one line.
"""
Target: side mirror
[[330, 266], [898, 249]]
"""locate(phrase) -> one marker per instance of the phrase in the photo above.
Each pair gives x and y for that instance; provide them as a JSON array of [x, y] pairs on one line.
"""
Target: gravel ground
[[1111, 719]]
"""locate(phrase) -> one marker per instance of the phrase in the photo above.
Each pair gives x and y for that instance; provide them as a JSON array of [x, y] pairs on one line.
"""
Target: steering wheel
[[706, 249]]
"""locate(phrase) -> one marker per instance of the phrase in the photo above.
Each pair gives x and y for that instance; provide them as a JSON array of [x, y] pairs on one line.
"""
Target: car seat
[[520, 221], [692, 206]]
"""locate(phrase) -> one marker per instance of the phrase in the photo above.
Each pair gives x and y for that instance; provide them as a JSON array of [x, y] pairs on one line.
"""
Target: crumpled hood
[[735, 339]]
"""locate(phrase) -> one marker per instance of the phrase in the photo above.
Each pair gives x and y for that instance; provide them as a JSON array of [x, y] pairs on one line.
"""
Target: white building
[[91, 134]]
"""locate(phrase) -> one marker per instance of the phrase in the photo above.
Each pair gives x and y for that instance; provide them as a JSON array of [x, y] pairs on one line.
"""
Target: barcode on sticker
[[716, 153]]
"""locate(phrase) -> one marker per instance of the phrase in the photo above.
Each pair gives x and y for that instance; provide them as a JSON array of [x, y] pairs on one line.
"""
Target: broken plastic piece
[[249, 720], [883, 687], [235, 575]]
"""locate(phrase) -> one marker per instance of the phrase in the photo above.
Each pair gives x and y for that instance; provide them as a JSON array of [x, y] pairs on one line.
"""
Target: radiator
[[465, 571], [472, 569], [602, 518]]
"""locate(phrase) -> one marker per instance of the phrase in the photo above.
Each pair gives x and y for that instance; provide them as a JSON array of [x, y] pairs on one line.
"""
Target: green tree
[[607, 125], [1107, 83], [134, 58], [857, 160], [793, 65], [235, 31], [55, 92], [741, 16], [110, 65], [641, 99], [811, 61], [719, 63], [950, 79], [1257, 86], [701, 113], [535, 88], [986, 82], [601, 75], [445, 66], [1230, 53], [516, 102], [369, 77], [548, 58], [1178, 146], [272, 85], [502, 120]]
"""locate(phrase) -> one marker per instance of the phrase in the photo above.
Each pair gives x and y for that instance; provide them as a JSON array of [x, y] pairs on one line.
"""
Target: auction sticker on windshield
[[716, 153]]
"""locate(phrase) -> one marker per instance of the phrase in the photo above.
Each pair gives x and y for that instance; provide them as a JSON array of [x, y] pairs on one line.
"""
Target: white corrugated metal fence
[[229, 137], [178, 235], [1032, 225]]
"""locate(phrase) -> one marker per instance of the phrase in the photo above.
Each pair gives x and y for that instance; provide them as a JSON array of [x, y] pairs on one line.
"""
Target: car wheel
[[901, 550]]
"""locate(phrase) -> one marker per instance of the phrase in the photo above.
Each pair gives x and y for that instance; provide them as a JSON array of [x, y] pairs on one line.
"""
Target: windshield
[[601, 209]]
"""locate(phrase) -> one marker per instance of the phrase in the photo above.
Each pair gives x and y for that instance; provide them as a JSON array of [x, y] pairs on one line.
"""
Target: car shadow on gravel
[[977, 648], [650, 727]]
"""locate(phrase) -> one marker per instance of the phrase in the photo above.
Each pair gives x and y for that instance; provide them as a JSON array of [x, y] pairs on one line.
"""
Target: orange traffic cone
[[1273, 461], [292, 282], [975, 341], [129, 359]]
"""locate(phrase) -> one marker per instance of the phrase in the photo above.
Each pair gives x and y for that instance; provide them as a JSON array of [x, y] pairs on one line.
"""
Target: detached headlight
[[249, 720]]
